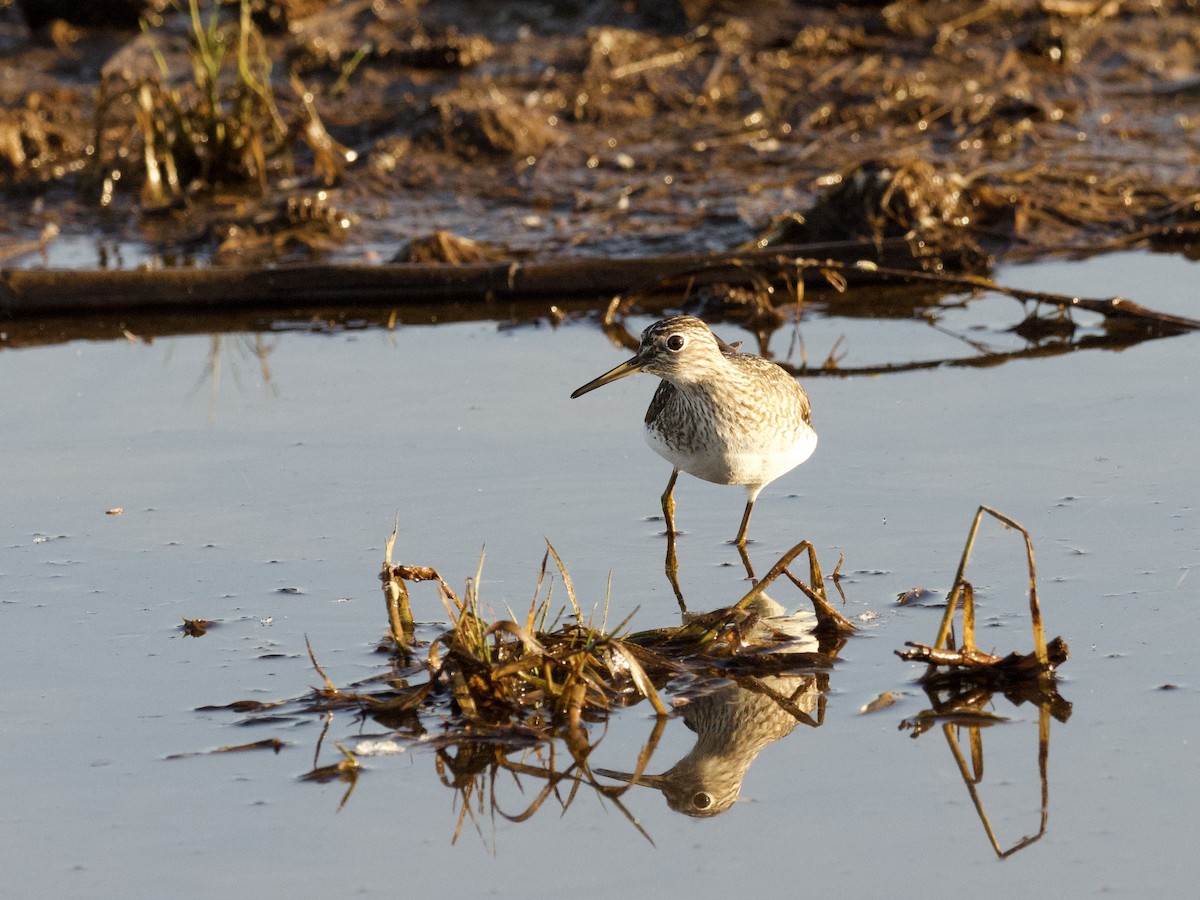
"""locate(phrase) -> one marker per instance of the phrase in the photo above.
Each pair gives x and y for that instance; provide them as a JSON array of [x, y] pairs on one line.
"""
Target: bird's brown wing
[[659, 401]]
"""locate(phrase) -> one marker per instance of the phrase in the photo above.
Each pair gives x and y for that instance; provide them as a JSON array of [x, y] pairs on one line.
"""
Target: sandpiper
[[720, 415]]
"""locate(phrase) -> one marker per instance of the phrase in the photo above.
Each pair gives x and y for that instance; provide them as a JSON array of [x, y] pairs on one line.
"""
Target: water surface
[[259, 495]]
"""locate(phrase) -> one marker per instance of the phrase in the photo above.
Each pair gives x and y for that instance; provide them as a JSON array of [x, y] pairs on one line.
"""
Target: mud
[[600, 128]]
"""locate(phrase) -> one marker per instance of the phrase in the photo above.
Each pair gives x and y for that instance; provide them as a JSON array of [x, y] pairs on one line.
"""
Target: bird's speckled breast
[[752, 429]]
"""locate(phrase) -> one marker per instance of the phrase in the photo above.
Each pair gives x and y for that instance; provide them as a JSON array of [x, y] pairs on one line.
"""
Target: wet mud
[[355, 131]]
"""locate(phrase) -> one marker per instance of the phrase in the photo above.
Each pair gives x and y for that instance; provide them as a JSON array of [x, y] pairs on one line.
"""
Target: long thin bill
[[629, 367]]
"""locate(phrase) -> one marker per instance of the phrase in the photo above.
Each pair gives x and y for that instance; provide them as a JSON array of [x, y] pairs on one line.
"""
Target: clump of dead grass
[[968, 664], [531, 695], [224, 125]]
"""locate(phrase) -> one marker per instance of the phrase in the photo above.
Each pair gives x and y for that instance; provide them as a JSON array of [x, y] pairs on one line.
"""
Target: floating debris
[[914, 595], [948, 662], [273, 744], [883, 701], [195, 627]]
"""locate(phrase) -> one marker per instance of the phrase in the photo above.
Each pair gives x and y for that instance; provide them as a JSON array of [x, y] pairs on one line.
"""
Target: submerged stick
[[1109, 307], [40, 291]]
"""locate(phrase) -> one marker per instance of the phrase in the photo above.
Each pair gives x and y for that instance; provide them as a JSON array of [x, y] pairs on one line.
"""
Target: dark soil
[[604, 128]]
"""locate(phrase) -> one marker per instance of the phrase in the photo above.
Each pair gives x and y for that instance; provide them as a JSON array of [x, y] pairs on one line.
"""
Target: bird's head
[[681, 349]]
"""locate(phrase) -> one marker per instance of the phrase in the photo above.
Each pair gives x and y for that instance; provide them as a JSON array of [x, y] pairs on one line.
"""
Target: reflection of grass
[[248, 346]]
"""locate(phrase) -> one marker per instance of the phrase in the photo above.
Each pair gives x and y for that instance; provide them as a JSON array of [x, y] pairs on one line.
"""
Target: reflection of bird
[[733, 724], [720, 415]]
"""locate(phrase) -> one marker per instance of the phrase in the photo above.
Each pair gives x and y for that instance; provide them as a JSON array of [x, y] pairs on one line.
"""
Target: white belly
[[726, 461]]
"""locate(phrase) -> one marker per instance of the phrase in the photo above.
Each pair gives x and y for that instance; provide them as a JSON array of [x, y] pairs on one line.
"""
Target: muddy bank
[[343, 130]]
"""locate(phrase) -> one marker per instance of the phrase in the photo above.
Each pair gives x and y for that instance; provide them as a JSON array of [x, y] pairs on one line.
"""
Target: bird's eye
[[675, 343], [702, 800]]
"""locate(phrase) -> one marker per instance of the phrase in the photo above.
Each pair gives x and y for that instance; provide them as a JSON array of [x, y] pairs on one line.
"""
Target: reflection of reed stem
[[215, 380], [974, 776]]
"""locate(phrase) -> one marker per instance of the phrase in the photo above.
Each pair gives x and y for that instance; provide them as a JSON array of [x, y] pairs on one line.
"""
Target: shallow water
[[259, 495]]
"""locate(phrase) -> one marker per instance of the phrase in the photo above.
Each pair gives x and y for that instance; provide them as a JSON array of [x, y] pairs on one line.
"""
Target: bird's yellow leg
[[668, 504], [740, 540], [671, 564]]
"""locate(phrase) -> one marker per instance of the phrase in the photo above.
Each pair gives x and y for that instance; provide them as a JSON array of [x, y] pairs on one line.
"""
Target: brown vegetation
[[623, 129]]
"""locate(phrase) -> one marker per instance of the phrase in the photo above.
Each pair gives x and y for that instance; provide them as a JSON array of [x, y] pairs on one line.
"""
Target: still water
[[259, 476]]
